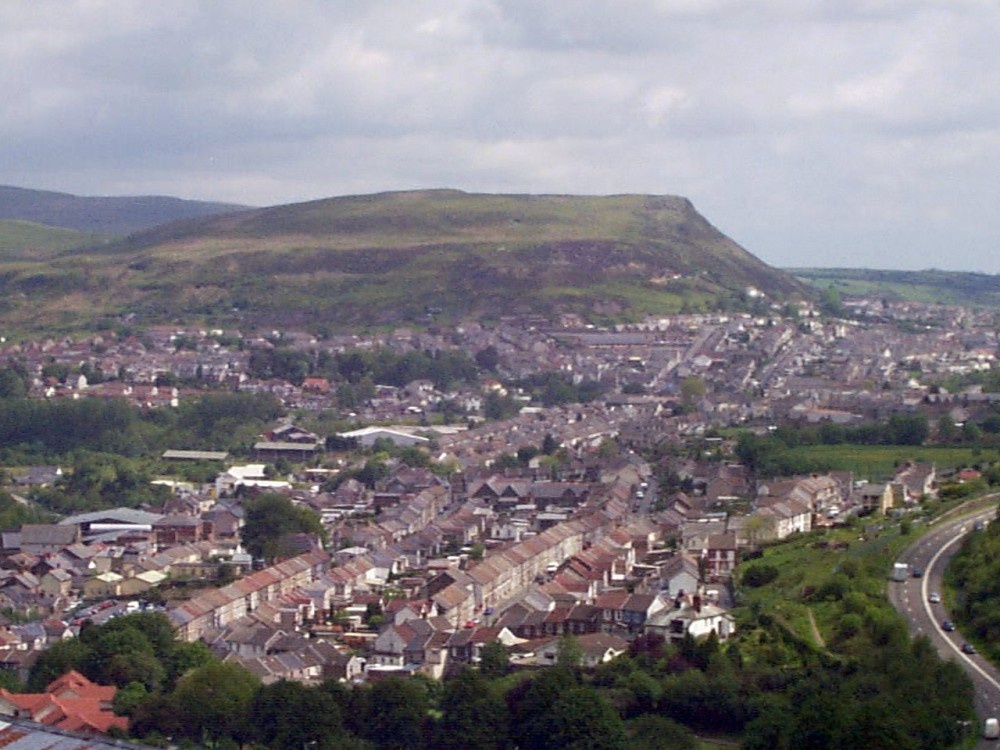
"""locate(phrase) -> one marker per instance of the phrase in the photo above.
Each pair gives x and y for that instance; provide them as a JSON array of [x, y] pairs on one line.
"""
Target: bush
[[759, 574]]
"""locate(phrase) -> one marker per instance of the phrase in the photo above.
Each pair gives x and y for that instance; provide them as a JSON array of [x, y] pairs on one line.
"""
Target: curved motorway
[[910, 597]]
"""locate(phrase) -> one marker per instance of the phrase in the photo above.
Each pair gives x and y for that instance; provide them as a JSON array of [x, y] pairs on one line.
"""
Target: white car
[[934, 598]]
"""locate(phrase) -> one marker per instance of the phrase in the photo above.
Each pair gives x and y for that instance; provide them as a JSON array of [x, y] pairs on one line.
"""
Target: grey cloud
[[804, 130]]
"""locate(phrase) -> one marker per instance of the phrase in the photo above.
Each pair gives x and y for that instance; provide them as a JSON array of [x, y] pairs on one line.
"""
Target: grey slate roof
[[17, 734]]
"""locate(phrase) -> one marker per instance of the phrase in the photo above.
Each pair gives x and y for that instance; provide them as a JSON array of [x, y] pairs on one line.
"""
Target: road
[[910, 597]]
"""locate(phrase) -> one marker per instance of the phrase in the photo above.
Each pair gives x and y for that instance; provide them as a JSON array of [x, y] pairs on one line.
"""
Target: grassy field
[[877, 462]]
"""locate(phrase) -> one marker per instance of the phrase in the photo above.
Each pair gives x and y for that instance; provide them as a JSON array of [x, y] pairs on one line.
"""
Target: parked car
[[968, 648], [934, 598], [947, 626]]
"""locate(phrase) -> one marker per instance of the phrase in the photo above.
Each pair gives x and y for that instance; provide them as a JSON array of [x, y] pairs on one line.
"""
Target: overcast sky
[[857, 133]]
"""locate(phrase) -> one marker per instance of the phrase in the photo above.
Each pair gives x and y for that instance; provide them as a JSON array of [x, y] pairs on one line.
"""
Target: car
[[918, 573], [991, 729], [947, 626], [934, 598], [968, 648]]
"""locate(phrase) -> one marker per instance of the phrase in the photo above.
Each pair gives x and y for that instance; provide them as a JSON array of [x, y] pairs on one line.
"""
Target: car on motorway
[[947, 626], [934, 597], [991, 729], [968, 648], [917, 572]]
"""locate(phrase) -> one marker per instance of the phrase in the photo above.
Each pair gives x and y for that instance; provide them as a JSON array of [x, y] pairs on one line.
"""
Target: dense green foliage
[[269, 519], [101, 481], [553, 388], [40, 431], [137, 648], [974, 574], [383, 365], [13, 514]]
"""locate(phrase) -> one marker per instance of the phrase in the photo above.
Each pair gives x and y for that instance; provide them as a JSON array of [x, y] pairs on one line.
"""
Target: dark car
[[918, 573], [968, 648], [948, 626]]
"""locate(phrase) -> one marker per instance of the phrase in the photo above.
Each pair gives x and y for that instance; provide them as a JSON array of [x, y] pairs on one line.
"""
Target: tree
[[268, 518], [474, 714], [971, 433], [213, 702], [497, 406], [290, 715], [62, 656], [582, 719], [651, 732], [569, 653], [908, 429], [128, 698], [398, 716], [946, 429], [184, 657], [12, 383], [692, 389], [488, 358], [549, 444], [494, 659]]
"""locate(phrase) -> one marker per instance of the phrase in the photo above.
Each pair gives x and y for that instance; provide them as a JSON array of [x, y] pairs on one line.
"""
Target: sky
[[828, 133]]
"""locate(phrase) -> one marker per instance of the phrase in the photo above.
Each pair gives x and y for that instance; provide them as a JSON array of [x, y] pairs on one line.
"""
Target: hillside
[[23, 240], [395, 257], [98, 215], [946, 287]]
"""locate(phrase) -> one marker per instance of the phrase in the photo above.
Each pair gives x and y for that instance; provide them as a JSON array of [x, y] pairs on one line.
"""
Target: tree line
[[776, 693]]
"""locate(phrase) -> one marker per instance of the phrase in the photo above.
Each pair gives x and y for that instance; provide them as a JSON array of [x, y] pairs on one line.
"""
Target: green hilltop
[[932, 285], [398, 257], [28, 241]]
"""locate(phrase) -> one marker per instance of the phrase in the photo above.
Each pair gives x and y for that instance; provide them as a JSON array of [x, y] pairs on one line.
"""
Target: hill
[[391, 258], [946, 287], [98, 215], [23, 240]]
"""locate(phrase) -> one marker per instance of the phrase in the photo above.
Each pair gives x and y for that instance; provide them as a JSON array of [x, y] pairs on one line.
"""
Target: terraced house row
[[217, 608]]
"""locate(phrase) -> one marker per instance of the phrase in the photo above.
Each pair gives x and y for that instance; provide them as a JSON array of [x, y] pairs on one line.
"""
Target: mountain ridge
[[402, 256], [111, 215]]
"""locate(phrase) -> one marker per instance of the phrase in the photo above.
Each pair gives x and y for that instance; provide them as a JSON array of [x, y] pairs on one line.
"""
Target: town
[[499, 514]]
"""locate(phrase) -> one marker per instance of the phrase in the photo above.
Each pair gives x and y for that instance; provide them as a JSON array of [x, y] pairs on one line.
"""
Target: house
[[344, 666], [720, 555], [693, 616], [623, 611], [57, 582], [176, 529], [595, 649], [42, 538], [39, 476], [70, 702], [679, 575], [103, 586], [779, 518], [249, 476], [918, 481], [876, 497]]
